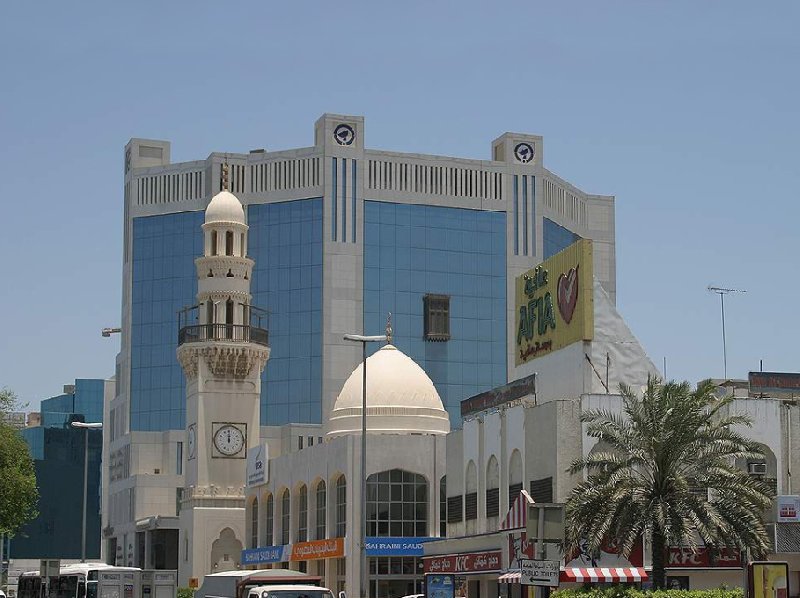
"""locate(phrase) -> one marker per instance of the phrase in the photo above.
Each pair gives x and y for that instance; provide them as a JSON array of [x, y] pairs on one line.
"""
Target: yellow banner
[[555, 303]]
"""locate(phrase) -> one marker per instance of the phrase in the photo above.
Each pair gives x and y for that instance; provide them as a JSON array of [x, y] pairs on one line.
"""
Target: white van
[[290, 591]]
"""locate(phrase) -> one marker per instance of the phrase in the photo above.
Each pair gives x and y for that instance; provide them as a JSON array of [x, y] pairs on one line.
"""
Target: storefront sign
[[788, 507], [440, 586], [609, 555], [555, 303], [266, 554], [774, 383], [396, 546], [472, 562], [681, 556], [257, 465], [501, 395], [318, 549]]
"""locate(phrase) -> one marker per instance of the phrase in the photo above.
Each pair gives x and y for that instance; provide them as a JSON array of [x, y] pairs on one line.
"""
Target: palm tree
[[664, 445]]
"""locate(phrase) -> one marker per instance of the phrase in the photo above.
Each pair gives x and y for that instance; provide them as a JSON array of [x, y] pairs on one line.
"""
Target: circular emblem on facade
[[344, 135], [523, 152]]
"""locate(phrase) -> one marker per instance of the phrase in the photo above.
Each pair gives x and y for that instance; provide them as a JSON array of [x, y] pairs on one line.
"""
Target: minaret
[[223, 353]]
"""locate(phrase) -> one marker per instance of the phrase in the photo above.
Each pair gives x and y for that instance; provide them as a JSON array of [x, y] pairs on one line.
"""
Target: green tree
[[18, 491], [663, 445]]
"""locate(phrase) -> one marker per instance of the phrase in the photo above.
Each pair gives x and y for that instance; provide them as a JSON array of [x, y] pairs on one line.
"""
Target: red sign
[[471, 562], [681, 556]]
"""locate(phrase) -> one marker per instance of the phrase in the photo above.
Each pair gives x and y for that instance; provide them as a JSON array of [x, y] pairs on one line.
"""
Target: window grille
[[437, 317]]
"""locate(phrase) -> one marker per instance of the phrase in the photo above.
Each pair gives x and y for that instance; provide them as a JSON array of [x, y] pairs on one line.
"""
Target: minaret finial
[[389, 328], [225, 175]]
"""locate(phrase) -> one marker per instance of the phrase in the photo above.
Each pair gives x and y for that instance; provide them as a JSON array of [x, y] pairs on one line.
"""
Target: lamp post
[[359, 338], [86, 428]]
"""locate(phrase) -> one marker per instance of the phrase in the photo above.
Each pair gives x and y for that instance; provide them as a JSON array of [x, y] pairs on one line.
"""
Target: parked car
[[291, 591]]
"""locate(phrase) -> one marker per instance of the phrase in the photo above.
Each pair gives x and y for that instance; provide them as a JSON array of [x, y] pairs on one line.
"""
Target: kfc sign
[[682, 556], [472, 562]]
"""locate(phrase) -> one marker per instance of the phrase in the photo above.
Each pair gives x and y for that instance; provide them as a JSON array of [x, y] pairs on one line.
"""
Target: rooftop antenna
[[722, 291]]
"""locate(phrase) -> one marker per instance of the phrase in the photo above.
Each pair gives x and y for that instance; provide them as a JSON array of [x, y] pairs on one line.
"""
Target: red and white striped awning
[[603, 574], [517, 517], [510, 577]]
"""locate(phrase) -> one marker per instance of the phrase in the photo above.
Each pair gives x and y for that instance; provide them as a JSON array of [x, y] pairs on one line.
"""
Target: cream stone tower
[[222, 353]]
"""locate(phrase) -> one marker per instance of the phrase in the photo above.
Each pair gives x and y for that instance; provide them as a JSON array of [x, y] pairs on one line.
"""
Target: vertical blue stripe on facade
[[411, 250], [516, 215], [353, 211], [525, 215], [533, 215], [334, 189], [344, 200]]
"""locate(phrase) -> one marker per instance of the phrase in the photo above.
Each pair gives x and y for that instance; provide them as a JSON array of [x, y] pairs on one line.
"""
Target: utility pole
[[721, 291]]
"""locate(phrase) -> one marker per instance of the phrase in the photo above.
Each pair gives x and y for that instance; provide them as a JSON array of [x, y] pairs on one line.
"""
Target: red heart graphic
[[568, 293]]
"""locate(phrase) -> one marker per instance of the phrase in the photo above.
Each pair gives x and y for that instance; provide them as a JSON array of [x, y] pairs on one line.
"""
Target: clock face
[[229, 440], [192, 440]]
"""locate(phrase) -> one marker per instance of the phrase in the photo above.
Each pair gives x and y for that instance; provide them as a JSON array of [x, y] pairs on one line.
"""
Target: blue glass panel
[[292, 292], [164, 281], [556, 238], [411, 250]]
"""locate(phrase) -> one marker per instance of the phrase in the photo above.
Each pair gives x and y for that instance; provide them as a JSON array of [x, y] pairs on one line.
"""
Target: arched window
[[471, 497], [269, 521], [254, 524], [213, 242], [397, 504], [302, 514], [492, 494], [341, 507], [228, 243], [321, 505], [514, 476], [443, 507], [285, 500]]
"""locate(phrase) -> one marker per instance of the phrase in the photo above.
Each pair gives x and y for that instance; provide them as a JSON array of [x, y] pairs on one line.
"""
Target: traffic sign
[[539, 573]]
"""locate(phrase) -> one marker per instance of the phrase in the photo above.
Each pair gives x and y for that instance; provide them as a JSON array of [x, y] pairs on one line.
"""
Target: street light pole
[[86, 428], [364, 340]]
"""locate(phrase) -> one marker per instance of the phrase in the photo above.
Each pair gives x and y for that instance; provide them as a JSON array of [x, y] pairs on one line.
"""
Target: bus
[[73, 581]]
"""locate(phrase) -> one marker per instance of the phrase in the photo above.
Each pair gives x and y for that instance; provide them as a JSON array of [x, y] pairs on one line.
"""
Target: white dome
[[401, 399], [224, 207]]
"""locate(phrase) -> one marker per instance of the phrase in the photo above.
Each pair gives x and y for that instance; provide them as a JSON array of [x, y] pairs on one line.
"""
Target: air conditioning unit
[[757, 468]]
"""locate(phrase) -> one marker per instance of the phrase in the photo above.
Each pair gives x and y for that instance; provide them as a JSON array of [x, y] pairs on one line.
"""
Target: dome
[[224, 207], [401, 399]]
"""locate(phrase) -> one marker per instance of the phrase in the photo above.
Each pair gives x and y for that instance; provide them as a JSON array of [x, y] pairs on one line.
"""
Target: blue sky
[[687, 112]]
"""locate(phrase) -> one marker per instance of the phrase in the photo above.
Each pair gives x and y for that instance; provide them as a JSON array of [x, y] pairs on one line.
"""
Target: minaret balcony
[[229, 333]]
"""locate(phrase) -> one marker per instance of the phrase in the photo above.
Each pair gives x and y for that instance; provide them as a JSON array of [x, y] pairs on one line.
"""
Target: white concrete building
[[307, 515]]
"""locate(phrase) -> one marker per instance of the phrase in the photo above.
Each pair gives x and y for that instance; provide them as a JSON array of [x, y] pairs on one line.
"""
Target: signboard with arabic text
[[317, 549], [555, 303], [471, 562], [540, 573]]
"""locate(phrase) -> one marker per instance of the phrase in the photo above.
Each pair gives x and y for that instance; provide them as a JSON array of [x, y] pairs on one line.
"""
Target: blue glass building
[[341, 235], [58, 453]]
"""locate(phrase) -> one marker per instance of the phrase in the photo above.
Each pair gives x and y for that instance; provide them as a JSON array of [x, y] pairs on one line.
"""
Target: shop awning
[[603, 574], [510, 577]]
